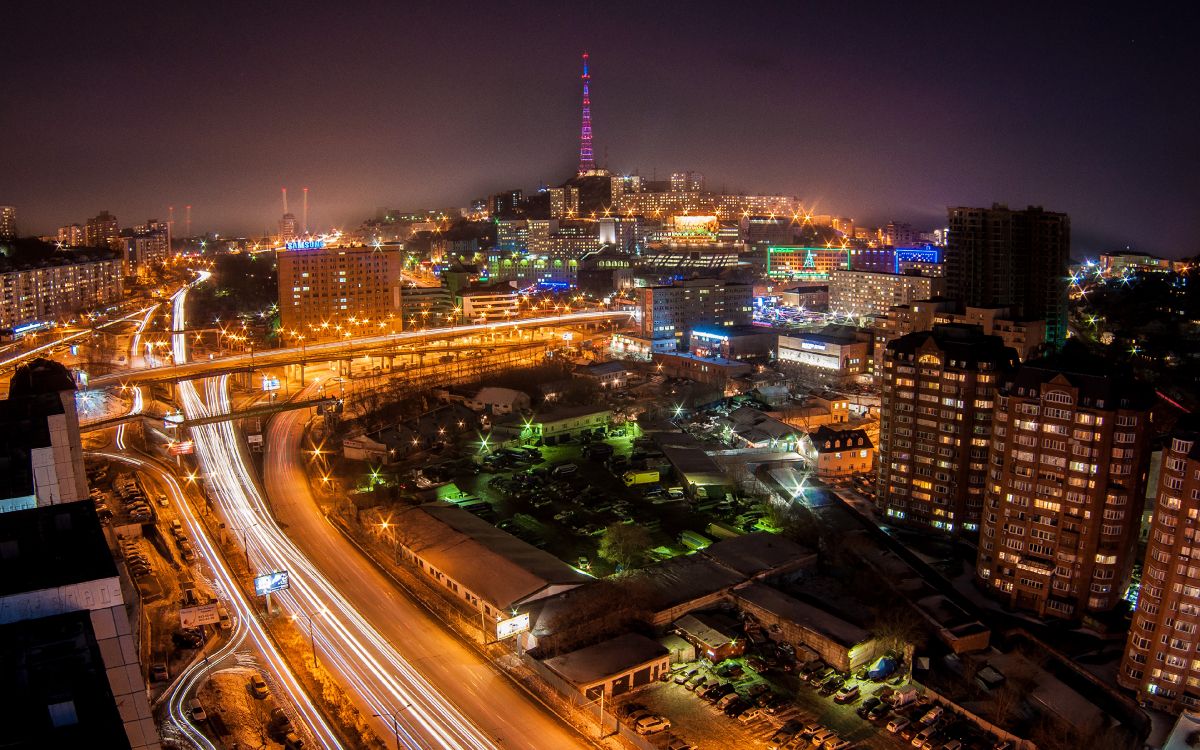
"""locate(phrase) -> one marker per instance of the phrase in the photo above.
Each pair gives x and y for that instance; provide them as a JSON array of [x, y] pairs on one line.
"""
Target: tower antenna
[[305, 212], [587, 162], [284, 200], [187, 221]]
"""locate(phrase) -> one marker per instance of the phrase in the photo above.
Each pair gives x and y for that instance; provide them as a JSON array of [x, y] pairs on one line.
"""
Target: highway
[[335, 350], [14, 361], [460, 674]]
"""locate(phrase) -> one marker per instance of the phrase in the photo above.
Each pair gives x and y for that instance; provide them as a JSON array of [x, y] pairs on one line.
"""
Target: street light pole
[[395, 723]]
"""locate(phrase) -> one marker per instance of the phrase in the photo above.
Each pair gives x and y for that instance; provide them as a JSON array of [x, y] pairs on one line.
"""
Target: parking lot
[[768, 704]]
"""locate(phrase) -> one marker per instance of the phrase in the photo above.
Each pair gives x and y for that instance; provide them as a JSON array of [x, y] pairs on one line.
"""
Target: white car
[[895, 725], [652, 724]]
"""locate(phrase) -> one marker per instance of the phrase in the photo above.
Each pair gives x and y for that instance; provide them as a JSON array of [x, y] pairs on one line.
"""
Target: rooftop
[[492, 563], [754, 554], [52, 546], [806, 615], [827, 440], [607, 658], [704, 629]]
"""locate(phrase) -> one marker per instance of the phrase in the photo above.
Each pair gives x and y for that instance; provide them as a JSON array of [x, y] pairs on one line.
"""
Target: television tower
[[587, 163]]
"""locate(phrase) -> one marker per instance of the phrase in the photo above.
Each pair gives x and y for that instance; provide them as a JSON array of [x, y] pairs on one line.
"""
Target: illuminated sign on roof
[[305, 245]]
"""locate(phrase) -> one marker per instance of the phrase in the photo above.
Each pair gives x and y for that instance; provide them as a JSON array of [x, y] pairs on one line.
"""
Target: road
[[368, 664], [334, 350], [460, 674], [11, 363]]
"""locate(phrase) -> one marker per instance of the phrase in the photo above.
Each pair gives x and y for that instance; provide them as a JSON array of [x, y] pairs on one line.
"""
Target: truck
[[694, 540], [902, 698], [640, 476]]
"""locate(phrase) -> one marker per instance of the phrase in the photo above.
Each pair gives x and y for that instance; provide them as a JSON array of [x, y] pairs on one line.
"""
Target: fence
[[1017, 742], [607, 722]]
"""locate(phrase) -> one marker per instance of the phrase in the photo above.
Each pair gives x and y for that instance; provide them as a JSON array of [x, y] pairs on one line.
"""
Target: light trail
[[247, 624], [350, 646], [59, 342], [136, 343], [136, 408]]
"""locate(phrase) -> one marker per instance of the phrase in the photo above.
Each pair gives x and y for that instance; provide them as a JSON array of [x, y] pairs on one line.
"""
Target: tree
[[625, 545]]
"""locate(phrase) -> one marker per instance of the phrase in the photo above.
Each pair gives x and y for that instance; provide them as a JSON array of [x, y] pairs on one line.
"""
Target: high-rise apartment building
[[687, 182], [101, 230], [287, 228], [322, 288], [71, 235], [564, 202], [1160, 659], [144, 246], [1000, 256], [935, 425], [667, 313], [1066, 477], [8, 222]]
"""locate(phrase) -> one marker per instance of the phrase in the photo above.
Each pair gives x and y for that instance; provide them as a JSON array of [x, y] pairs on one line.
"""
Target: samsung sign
[[305, 245]]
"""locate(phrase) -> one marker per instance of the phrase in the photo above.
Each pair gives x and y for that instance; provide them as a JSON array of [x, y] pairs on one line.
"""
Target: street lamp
[[311, 637], [395, 723]]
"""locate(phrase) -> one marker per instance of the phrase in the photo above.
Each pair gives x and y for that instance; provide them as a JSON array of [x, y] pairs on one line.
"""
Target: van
[[225, 621]]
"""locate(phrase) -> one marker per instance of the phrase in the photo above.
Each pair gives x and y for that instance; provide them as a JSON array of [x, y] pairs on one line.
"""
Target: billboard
[[270, 383], [182, 448], [269, 582], [194, 617], [512, 626]]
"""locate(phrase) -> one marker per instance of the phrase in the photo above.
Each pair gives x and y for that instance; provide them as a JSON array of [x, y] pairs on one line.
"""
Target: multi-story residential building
[[1118, 264], [869, 293], [101, 230], [1000, 256], [287, 228], [935, 425], [506, 203], [1026, 336], [144, 246], [325, 287], [1160, 660], [71, 235], [1066, 477], [621, 232], [66, 284], [564, 202], [666, 313], [687, 182], [424, 307], [8, 222], [767, 230]]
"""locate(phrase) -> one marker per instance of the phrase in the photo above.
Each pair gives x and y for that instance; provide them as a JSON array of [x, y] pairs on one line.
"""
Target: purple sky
[[876, 113]]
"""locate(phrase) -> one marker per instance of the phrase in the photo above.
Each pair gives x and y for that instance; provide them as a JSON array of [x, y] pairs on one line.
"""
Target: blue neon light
[[305, 245]]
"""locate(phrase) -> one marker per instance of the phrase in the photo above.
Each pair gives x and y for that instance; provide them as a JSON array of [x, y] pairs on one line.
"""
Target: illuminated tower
[[587, 162]]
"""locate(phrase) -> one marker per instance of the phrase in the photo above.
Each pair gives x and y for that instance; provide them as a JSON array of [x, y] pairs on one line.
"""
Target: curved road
[[460, 674]]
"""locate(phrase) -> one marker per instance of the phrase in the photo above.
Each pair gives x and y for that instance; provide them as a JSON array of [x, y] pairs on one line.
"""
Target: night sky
[[875, 113]]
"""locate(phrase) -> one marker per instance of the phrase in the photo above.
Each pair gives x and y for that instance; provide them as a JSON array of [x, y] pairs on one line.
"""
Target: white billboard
[[510, 627], [194, 617], [271, 582]]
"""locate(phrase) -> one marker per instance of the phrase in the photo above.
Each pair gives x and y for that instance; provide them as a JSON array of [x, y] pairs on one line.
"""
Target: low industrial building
[[608, 375], [714, 640], [836, 354], [489, 569], [614, 667], [748, 427], [555, 424], [840, 644], [498, 401]]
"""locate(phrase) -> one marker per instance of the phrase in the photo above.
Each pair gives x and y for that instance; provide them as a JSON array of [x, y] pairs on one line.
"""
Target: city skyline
[[886, 126]]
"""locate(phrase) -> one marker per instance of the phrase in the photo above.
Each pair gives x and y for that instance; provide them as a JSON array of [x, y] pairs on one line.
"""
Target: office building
[[767, 230], [1160, 660], [620, 232], [1000, 256], [59, 287], [805, 262], [324, 288], [836, 354], [870, 293], [68, 644], [1065, 484], [687, 182], [487, 304], [422, 307], [101, 230], [666, 313], [505, 204], [935, 425], [8, 222]]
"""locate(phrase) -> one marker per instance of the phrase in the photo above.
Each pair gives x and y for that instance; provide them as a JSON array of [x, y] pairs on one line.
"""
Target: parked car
[[258, 686], [837, 743], [932, 715], [847, 694], [196, 711], [158, 672], [652, 725], [819, 738], [895, 725], [683, 677], [749, 714]]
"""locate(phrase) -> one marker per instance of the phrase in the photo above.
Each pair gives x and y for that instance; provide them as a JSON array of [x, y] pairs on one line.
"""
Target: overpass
[[388, 343], [17, 360], [253, 411]]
